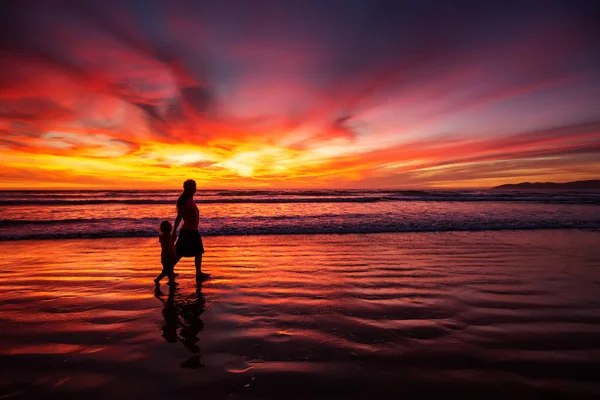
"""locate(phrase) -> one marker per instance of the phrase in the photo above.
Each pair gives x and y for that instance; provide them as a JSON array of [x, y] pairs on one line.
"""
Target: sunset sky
[[298, 94]]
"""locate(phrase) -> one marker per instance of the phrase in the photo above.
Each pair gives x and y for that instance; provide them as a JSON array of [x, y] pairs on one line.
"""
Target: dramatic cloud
[[298, 93]]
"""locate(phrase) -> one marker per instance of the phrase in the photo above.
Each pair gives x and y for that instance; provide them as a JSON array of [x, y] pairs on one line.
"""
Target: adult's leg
[[170, 273], [199, 274], [198, 263], [177, 258]]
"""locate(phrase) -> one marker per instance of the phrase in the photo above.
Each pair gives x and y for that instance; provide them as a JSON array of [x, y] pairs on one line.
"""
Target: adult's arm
[[177, 222]]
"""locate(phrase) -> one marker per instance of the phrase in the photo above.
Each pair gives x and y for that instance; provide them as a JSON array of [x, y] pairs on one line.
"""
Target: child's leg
[[165, 271]]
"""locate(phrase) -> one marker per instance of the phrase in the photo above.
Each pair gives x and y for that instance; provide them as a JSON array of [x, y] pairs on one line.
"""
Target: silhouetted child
[[167, 255]]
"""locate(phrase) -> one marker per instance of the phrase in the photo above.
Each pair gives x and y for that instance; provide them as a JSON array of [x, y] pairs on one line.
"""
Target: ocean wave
[[155, 221], [284, 200], [197, 200], [242, 230], [68, 221]]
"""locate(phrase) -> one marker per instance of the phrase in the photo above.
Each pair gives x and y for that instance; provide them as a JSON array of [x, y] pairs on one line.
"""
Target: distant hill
[[592, 185]]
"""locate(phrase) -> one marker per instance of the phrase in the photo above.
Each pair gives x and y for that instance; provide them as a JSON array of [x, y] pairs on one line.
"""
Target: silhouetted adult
[[189, 242]]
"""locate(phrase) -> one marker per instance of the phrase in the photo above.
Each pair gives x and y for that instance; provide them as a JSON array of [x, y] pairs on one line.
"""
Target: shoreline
[[381, 232]]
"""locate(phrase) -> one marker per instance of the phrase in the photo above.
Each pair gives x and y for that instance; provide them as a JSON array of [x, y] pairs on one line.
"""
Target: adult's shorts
[[189, 243]]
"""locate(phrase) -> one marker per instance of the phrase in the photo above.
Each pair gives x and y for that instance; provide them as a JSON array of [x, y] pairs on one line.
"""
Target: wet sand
[[500, 314]]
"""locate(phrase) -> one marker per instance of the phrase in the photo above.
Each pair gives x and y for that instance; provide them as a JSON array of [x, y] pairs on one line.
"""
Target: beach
[[509, 313]]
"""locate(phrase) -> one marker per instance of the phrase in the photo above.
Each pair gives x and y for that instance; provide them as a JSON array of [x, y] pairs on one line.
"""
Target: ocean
[[107, 214]]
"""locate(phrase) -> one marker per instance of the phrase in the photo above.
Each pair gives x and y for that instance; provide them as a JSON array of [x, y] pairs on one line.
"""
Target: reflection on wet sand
[[448, 315], [182, 322]]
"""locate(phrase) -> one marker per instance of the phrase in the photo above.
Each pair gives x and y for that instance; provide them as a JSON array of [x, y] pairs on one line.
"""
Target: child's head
[[165, 227]]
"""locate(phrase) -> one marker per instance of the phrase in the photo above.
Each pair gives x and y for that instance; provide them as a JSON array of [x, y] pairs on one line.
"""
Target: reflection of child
[[167, 255], [169, 313]]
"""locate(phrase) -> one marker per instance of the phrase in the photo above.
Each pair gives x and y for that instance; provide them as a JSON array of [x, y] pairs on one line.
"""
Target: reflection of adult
[[189, 307], [189, 243]]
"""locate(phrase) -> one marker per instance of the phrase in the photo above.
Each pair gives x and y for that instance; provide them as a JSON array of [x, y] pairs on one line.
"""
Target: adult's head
[[189, 186]]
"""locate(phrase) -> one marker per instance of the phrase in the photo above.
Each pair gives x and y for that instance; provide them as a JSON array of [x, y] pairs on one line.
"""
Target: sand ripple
[[497, 314]]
